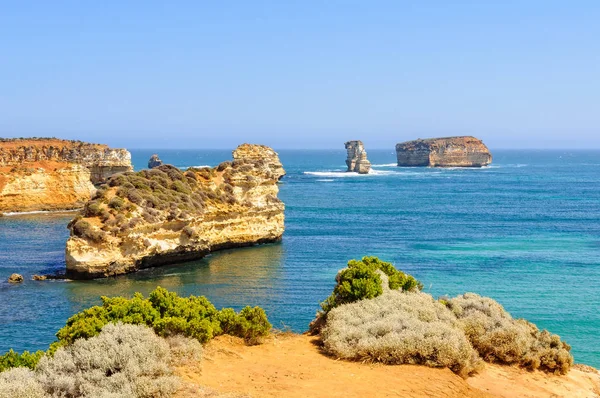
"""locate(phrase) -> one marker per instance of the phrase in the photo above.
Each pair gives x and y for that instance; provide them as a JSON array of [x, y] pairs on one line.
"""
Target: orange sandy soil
[[55, 142], [290, 365]]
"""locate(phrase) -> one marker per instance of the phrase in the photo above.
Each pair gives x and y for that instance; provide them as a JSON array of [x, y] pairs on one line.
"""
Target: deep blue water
[[524, 231]]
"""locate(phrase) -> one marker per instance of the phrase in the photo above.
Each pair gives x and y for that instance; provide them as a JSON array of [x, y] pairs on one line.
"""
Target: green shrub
[[168, 314], [116, 203], [499, 338], [361, 280], [84, 229], [92, 209], [14, 360]]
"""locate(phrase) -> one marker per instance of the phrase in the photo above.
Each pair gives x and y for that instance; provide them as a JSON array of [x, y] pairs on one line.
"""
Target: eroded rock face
[[357, 157], [444, 152], [46, 187], [165, 215], [154, 162], [52, 174]]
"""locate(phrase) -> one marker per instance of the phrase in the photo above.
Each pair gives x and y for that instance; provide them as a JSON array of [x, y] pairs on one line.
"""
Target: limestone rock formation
[[154, 162], [357, 157], [15, 278], [52, 174], [444, 152], [165, 215]]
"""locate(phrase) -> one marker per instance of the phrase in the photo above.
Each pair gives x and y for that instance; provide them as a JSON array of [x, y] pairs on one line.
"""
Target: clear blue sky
[[301, 74]]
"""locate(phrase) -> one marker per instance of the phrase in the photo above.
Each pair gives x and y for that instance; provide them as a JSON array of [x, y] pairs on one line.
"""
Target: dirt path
[[292, 366]]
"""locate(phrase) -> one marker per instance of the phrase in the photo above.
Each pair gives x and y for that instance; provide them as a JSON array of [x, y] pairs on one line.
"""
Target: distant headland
[[52, 174]]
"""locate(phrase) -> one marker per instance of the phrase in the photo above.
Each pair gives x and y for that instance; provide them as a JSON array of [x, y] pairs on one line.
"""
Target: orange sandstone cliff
[[52, 174], [165, 215]]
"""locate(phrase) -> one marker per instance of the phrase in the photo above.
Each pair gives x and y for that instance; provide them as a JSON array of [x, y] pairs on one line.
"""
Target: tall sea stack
[[357, 157], [443, 152]]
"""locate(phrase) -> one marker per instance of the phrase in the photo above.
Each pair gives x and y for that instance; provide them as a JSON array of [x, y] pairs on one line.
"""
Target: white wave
[[196, 167], [346, 174], [385, 165], [325, 180], [25, 213]]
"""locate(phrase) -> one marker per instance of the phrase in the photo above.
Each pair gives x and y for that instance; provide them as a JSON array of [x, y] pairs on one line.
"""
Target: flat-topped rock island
[[464, 151]]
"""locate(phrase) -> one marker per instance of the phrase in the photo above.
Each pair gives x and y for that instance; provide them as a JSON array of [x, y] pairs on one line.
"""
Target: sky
[[301, 74]]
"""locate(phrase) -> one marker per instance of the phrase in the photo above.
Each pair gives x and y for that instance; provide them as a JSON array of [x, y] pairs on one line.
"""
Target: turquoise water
[[524, 231]]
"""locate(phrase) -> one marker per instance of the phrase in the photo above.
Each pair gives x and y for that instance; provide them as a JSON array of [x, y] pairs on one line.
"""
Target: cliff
[[52, 174], [101, 160], [444, 152], [165, 215], [48, 186], [357, 157]]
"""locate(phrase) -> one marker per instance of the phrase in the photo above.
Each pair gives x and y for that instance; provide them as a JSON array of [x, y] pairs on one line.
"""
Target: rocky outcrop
[[51, 174], [165, 215], [15, 278], [154, 162], [444, 152], [357, 157]]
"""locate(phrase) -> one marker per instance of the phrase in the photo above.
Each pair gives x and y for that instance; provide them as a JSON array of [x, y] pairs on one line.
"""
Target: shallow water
[[524, 231]]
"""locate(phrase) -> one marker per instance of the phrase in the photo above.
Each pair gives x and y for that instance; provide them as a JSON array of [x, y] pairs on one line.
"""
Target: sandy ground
[[291, 365]]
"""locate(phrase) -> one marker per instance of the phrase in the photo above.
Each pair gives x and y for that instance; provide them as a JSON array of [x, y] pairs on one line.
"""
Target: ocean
[[525, 231]]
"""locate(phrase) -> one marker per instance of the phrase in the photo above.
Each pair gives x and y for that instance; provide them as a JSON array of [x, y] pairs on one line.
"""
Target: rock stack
[[154, 161], [357, 158]]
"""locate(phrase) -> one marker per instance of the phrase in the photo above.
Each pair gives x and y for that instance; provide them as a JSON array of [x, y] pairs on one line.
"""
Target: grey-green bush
[[122, 361], [399, 328], [499, 338], [20, 383]]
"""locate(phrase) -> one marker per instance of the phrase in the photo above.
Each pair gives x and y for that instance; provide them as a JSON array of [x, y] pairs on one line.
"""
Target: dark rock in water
[[154, 161], [39, 277], [15, 278], [443, 152], [357, 157]]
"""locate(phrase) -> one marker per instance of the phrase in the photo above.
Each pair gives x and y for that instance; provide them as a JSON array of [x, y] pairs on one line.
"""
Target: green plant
[[361, 279], [14, 360], [168, 314]]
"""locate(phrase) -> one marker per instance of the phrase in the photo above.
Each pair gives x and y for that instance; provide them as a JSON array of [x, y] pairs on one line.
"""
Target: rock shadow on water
[[228, 278]]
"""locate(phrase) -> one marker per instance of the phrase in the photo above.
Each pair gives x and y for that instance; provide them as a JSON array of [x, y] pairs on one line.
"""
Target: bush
[[116, 203], [84, 229], [20, 383], [123, 361], [500, 338], [169, 315], [14, 360], [399, 328], [361, 280]]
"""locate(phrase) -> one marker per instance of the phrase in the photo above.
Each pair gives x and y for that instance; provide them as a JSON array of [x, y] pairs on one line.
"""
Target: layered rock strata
[[165, 215], [444, 152], [51, 174], [357, 157]]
